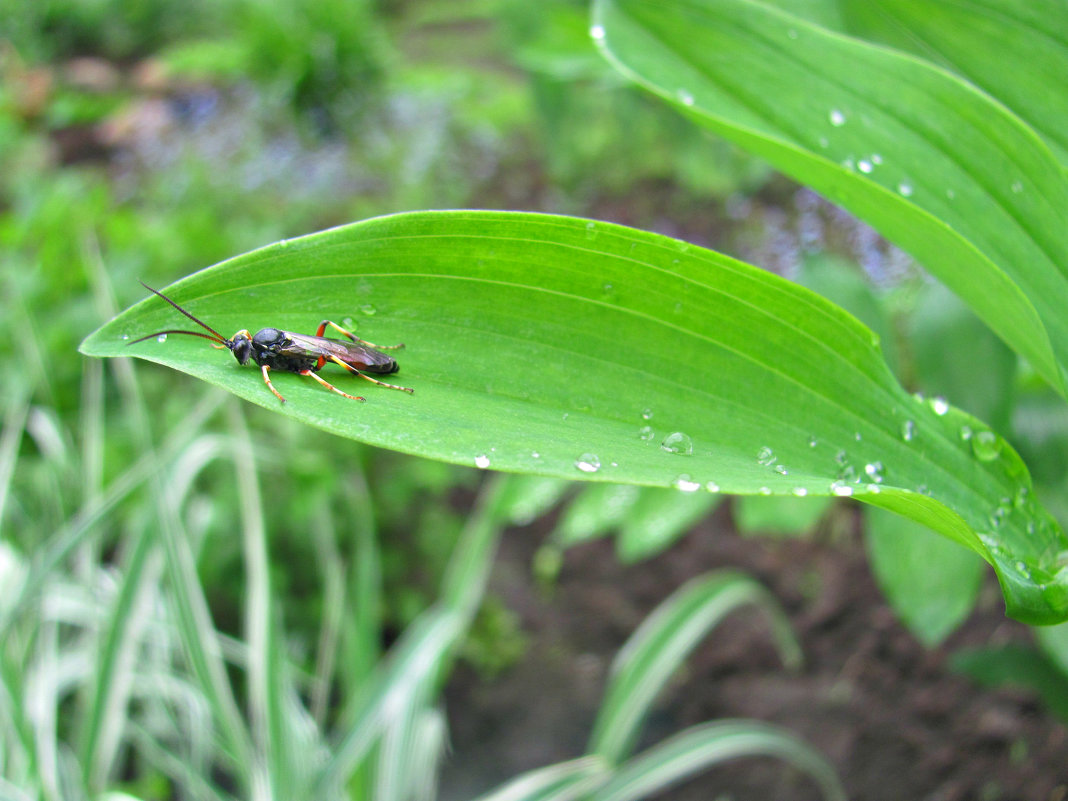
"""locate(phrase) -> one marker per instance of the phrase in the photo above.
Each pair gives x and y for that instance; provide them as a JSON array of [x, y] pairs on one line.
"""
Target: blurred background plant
[[146, 140]]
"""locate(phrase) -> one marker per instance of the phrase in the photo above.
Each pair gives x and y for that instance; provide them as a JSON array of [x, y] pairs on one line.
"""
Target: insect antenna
[[215, 335]]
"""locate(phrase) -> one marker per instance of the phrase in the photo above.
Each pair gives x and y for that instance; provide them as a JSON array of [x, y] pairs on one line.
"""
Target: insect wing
[[359, 356]]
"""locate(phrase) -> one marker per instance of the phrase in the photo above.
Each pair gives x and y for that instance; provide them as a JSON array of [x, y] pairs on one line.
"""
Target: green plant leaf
[[978, 39], [547, 345], [699, 748], [931, 585], [662, 643], [932, 163]]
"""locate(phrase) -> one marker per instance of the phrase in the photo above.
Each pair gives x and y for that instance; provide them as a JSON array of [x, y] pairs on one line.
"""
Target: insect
[[275, 349]]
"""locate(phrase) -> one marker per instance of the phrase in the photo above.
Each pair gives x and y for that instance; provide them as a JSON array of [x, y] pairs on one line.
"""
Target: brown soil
[[893, 718]]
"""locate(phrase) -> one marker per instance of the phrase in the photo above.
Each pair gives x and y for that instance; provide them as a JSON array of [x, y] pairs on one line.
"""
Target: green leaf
[[547, 345], [1015, 51], [560, 782], [935, 165], [699, 748], [757, 514], [931, 585], [654, 653], [658, 518]]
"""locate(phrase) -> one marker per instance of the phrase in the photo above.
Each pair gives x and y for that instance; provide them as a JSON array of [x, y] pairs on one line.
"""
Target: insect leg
[[265, 369], [330, 386], [352, 369], [352, 336]]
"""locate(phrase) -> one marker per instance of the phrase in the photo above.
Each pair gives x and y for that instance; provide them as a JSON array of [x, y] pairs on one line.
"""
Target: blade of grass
[[564, 781], [700, 747], [655, 651]]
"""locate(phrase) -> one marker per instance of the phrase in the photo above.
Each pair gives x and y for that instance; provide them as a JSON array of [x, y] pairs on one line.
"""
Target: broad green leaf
[[939, 329], [1015, 51], [932, 163], [547, 345], [931, 585]]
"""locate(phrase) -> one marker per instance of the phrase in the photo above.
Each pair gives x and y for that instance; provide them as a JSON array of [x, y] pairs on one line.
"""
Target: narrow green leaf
[[700, 747], [930, 584], [934, 164], [563, 781], [662, 643], [549, 345]]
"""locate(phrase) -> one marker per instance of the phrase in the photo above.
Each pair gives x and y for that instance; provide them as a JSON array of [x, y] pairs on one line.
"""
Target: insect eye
[[242, 349]]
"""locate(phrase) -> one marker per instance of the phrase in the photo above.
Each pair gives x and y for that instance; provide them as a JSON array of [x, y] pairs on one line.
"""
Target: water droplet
[[535, 455], [712, 486], [125, 337], [813, 442], [684, 97], [282, 244], [874, 471], [864, 166], [781, 469], [679, 443], [1017, 187], [876, 158], [837, 118], [646, 434], [591, 230], [348, 322], [368, 309], [764, 491], [800, 492], [482, 461], [824, 142], [986, 446], [588, 463], [874, 489], [686, 484], [939, 405], [965, 433], [905, 189], [766, 456], [161, 338], [908, 431], [951, 194], [647, 414], [597, 33], [841, 489], [857, 436]]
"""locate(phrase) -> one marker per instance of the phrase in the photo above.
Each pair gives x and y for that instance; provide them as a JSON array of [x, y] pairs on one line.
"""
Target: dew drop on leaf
[[588, 463], [678, 442]]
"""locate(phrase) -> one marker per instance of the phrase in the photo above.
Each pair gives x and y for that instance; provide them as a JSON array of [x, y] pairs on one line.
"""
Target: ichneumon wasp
[[275, 349]]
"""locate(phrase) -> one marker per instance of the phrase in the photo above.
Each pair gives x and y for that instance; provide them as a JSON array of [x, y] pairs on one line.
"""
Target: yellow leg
[[352, 336], [330, 386], [366, 377], [265, 369]]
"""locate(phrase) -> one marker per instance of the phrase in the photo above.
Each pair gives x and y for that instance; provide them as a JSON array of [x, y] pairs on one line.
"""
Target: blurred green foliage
[[200, 129]]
